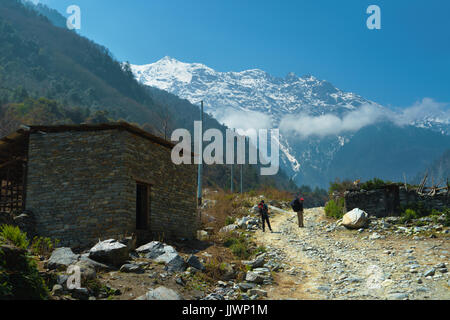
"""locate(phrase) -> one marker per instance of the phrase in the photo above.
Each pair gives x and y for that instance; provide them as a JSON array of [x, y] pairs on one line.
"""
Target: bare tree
[[8, 123], [165, 124]]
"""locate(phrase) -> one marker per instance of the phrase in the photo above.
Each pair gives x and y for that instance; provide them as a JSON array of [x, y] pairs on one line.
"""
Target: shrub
[[335, 209], [445, 212], [14, 235], [240, 250], [408, 215], [5, 286], [20, 278], [230, 241], [229, 220], [419, 208], [375, 183], [238, 246], [43, 246], [260, 249], [340, 187]]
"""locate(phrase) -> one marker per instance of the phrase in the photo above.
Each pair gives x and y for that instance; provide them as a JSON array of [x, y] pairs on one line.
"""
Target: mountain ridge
[[304, 105]]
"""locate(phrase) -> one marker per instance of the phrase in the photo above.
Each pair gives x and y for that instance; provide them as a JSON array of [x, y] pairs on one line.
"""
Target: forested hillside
[[51, 75]]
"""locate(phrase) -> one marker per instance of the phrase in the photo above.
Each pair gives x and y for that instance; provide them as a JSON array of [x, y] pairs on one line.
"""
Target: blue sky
[[404, 62]]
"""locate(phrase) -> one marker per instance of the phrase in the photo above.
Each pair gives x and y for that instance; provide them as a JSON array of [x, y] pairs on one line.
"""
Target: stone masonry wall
[[387, 201], [74, 184], [82, 186], [173, 208]]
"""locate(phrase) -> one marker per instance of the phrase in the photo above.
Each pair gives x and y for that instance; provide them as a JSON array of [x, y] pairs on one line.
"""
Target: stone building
[[95, 181], [390, 199]]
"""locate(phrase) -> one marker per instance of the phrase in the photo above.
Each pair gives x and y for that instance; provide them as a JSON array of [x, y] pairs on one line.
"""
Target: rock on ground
[[160, 252], [254, 277], [228, 228], [256, 263], [161, 293], [94, 264], [131, 268], [109, 252], [355, 219], [194, 262], [87, 271], [62, 258]]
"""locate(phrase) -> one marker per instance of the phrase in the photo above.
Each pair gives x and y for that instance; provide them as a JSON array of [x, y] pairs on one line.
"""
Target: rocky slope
[[328, 262]]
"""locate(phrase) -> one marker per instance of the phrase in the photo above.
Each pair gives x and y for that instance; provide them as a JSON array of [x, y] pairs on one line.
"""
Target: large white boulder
[[355, 219]]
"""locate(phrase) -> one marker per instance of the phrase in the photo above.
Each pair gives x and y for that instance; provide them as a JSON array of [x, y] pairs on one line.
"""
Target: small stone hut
[[88, 182]]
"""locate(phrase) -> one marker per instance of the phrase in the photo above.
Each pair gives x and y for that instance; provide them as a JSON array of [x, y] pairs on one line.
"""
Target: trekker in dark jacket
[[264, 211], [297, 206]]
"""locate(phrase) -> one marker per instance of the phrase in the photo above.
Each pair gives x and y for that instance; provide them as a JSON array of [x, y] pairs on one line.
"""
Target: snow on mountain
[[255, 99], [250, 90]]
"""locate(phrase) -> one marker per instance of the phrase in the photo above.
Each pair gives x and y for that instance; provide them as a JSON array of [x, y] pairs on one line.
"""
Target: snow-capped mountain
[[255, 99], [250, 90]]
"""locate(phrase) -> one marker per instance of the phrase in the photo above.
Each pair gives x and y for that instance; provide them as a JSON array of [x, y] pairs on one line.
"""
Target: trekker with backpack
[[297, 206], [264, 211]]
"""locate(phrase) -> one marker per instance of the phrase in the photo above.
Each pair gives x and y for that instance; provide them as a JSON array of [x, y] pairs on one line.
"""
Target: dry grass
[[272, 194], [232, 206], [227, 206]]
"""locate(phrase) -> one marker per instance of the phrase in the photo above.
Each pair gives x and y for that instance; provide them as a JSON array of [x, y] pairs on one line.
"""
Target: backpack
[[263, 208], [296, 205]]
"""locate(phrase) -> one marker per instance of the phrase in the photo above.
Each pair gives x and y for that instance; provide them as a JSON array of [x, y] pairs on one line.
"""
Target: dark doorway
[[142, 206], [392, 199]]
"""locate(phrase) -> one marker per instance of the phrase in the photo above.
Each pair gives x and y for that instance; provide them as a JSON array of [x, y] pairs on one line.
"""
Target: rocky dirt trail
[[322, 262]]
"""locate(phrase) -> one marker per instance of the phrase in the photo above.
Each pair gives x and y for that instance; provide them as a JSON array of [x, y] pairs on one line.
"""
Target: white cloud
[[427, 108], [330, 124]]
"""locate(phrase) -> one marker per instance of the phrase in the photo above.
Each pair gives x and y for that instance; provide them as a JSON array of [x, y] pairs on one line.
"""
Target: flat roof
[[19, 134]]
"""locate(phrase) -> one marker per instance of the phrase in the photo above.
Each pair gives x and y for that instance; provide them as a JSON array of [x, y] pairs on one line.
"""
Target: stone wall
[[387, 201], [173, 206], [81, 186], [437, 202]]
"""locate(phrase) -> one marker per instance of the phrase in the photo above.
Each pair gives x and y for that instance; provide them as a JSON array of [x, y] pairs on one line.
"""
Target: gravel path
[[326, 263]]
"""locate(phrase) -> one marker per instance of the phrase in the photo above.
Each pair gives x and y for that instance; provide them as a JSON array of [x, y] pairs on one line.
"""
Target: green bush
[[335, 209], [435, 214], [418, 210], [339, 187], [13, 234], [41, 246], [5, 286], [375, 183], [408, 215], [20, 278], [230, 241], [240, 250], [229, 220], [260, 249], [238, 246]]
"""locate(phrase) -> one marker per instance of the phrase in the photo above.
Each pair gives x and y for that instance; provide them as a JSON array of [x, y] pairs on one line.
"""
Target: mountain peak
[[291, 76], [167, 59], [248, 90]]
